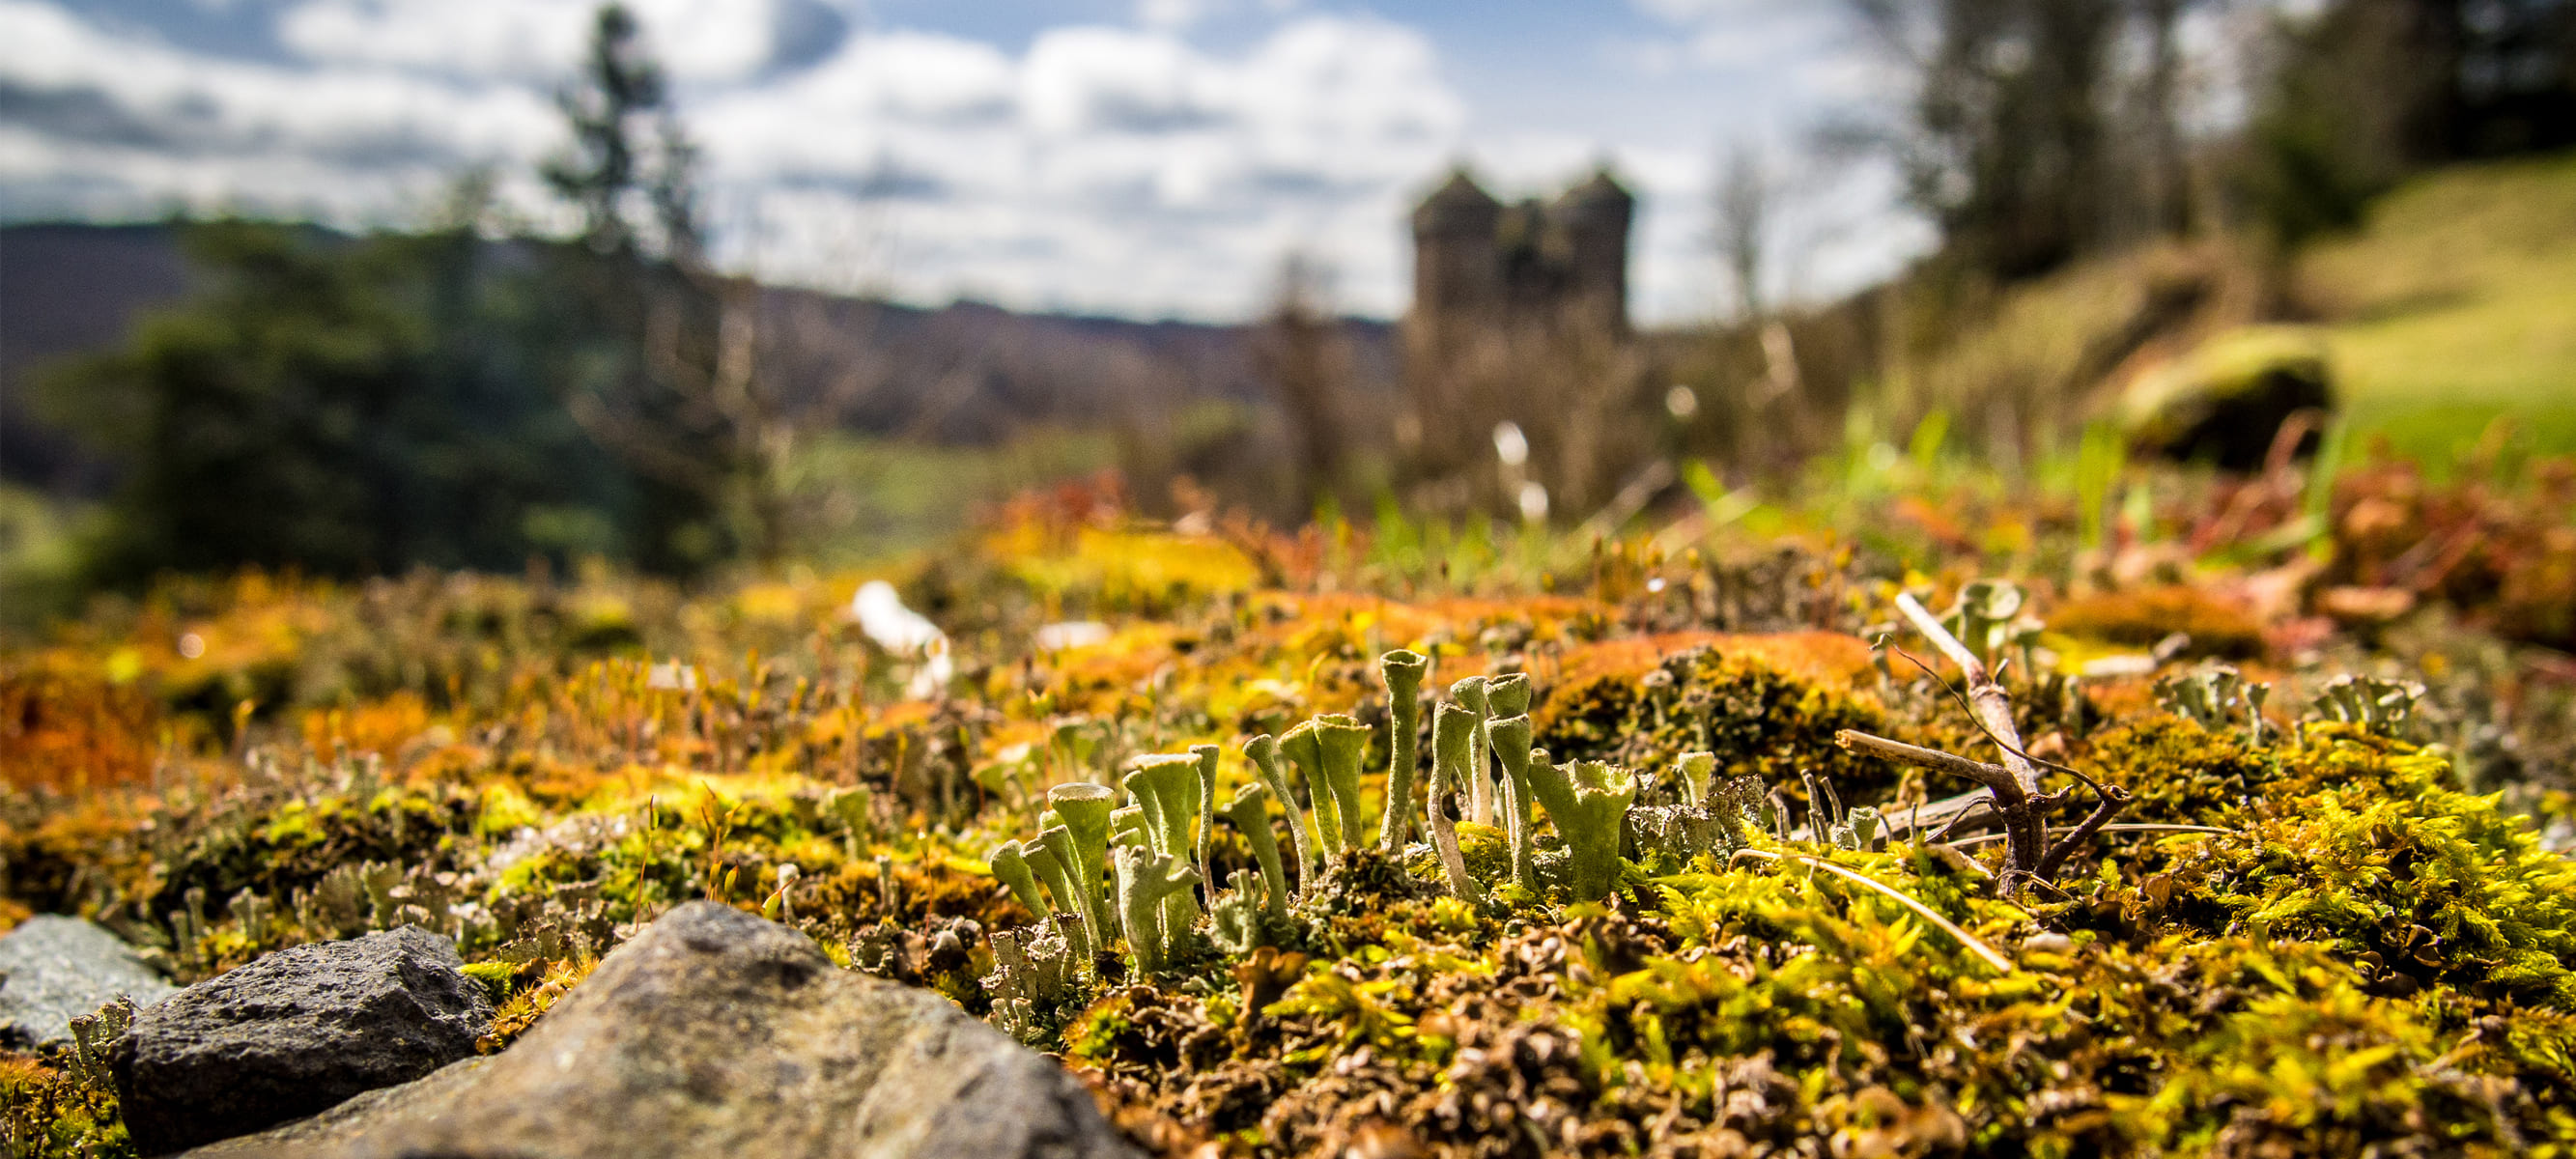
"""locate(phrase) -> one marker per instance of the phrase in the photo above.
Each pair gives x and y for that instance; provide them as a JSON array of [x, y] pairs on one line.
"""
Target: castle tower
[[1591, 222], [1456, 266]]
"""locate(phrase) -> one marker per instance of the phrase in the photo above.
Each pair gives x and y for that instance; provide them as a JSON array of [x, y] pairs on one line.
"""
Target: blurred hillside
[[68, 290], [2443, 310], [962, 375]]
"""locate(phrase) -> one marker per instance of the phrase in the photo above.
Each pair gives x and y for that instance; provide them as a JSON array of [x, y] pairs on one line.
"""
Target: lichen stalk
[[1205, 755], [1263, 751], [1588, 800], [1146, 881], [1693, 770], [1084, 809], [1345, 746], [1166, 786], [1403, 672], [1250, 815], [1511, 739], [1053, 857], [1304, 747], [1478, 778], [1507, 696], [1453, 737], [1013, 870], [1328, 750]]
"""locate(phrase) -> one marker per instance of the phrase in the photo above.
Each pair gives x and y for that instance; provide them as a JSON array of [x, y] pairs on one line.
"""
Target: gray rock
[[717, 1033], [296, 1032], [58, 969]]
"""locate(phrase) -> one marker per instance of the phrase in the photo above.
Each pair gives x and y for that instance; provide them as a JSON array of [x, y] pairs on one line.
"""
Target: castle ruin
[[1479, 264], [1520, 315]]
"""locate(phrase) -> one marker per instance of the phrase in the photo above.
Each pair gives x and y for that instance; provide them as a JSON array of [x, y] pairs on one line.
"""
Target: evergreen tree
[[654, 312], [343, 406]]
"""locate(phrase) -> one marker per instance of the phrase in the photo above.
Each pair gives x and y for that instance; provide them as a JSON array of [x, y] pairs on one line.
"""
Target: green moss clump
[[1760, 721]]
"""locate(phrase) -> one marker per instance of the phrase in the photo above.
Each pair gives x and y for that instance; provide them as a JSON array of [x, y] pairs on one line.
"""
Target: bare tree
[[2168, 183], [1743, 211], [688, 408], [2005, 138], [1296, 356]]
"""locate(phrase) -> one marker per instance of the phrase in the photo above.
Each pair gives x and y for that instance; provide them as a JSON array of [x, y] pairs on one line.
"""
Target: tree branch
[[1986, 699], [1994, 777], [2114, 799]]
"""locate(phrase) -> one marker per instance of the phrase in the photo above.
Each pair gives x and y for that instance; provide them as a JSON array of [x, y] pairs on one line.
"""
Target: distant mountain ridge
[[965, 373]]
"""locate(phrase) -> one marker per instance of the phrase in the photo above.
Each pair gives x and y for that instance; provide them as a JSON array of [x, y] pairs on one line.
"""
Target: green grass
[[2456, 304], [863, 499], [40, 555]]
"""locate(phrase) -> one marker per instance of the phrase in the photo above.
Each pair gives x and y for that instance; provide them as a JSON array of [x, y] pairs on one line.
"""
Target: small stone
[[2365, 607], [715, 1032], [296, 1032], [54, 969], [2048, 943]]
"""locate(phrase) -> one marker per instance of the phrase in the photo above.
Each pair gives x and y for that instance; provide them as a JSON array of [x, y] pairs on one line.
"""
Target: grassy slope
[[2458, 303], [2453, 305]]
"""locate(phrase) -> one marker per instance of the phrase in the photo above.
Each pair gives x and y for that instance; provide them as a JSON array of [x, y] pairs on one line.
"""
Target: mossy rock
[[2225, 401]]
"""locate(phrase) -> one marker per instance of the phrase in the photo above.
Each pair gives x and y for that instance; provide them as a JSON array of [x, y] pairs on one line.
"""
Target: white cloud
[[1736, 34], [698, 40], [1171, 14], [146, 93], [1105, 169], [1102, 169]]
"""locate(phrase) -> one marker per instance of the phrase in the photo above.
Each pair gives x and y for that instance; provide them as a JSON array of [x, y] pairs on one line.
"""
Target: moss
[[1759, 718], [2367, 956], [49, 1112], [533, 995], [497, 979], [2415, 883], [2216, 624]]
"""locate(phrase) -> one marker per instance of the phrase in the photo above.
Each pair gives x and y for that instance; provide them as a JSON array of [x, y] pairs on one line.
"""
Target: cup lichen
[[1053, 857], [1403, 672], [1511, 740], [1013, 870], [1084, 808], [1477, 778], [1328, 750], [1263, 751], [1589, 802], [1147, 884], [1453, 736], [1251, 816]]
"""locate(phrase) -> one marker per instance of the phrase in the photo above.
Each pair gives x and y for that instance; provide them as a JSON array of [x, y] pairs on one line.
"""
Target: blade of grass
[[1979, 948]]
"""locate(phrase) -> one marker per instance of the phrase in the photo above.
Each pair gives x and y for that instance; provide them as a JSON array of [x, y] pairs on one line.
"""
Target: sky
[[1137, 158]]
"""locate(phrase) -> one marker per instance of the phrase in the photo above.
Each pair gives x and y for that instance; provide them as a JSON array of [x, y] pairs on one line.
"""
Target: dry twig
[[2012, 786]]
